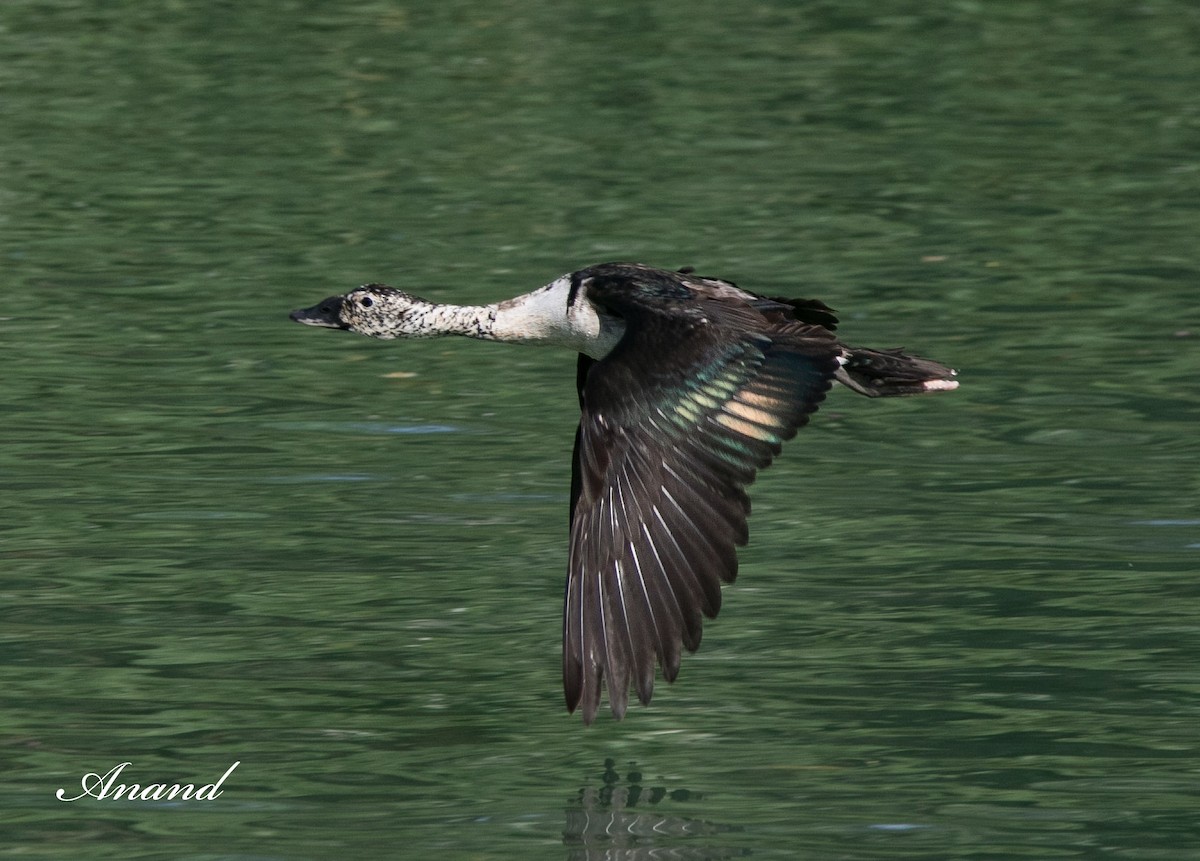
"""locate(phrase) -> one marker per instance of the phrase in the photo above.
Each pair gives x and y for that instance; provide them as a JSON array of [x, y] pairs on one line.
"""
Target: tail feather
[[888, 373]]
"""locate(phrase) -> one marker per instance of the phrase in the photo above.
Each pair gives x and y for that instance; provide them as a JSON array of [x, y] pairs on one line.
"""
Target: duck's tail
[[887, 373]]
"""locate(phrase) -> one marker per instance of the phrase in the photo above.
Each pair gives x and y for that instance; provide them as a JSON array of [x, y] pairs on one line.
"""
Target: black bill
[[326, 314]]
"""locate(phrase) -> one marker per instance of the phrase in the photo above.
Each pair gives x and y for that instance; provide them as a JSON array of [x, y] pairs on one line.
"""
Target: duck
[[688, 386]]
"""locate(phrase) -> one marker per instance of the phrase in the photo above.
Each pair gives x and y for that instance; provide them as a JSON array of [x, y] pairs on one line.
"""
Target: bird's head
[[374, 310]]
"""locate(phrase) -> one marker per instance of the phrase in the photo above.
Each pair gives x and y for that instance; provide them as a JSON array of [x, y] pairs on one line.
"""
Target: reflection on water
[[623, 821]]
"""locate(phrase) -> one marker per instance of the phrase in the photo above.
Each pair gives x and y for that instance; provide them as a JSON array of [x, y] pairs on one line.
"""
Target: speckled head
[[374, 310]]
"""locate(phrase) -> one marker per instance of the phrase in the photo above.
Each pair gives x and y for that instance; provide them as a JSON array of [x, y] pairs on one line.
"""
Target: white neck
[[540, 317], [432, 320]]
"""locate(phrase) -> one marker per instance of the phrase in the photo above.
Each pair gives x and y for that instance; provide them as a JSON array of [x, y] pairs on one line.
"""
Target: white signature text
[[106, 786]]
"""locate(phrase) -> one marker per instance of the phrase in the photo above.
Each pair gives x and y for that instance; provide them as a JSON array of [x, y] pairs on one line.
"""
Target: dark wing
[[812, 311], [696, 397]]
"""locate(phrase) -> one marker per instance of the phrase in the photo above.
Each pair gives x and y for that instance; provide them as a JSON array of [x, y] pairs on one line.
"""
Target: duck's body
[[687, 387]]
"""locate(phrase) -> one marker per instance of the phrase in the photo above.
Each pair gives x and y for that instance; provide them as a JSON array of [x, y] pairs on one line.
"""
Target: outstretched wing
[[676, 420]]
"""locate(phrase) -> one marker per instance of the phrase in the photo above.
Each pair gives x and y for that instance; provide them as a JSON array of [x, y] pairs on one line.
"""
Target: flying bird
[[687, 387]]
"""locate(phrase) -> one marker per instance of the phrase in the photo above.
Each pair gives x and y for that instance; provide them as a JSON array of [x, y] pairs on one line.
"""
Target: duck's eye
[[366, 301]]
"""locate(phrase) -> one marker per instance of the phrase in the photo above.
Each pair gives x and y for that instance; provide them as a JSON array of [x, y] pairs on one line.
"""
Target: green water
[[967, 626]]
